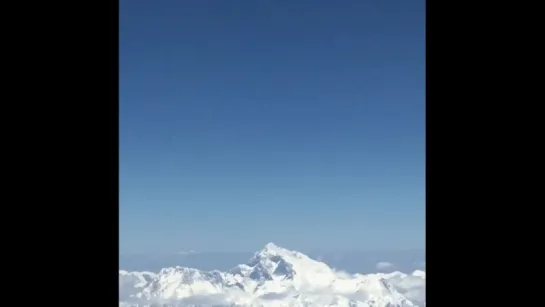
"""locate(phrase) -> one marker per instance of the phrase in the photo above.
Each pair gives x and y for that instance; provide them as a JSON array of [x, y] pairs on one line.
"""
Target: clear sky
[[300, 122]]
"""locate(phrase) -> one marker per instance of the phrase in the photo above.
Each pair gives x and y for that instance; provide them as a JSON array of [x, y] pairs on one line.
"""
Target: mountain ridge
[[274, 276]]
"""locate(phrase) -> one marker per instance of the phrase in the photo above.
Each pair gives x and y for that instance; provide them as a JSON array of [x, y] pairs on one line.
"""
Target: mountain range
[[273, 277]]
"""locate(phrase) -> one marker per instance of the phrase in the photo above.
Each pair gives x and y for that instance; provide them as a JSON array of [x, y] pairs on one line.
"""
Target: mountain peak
[[289, 277], [274, 252], [273, 248]]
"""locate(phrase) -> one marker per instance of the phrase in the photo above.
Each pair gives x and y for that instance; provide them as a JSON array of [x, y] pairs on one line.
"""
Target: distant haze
[[353, 262]]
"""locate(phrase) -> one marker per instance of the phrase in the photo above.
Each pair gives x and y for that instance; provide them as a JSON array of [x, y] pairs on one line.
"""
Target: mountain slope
[[275, 277]]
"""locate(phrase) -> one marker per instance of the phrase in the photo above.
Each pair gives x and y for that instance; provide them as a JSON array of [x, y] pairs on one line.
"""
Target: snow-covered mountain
[[273, 277]]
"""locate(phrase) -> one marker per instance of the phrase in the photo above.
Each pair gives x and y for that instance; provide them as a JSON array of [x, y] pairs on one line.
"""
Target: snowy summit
[[273, 277]]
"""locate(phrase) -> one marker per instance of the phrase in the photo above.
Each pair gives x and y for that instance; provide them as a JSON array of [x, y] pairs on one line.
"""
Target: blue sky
[[297, 122]]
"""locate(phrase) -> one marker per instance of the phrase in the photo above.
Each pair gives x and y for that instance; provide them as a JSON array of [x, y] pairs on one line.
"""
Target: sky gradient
[[249, 121]]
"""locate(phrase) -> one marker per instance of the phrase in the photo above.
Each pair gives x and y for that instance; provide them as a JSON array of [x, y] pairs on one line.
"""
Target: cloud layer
[[385, 266]]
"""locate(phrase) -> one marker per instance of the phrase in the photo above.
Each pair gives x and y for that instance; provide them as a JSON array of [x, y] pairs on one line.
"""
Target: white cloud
[[412, 286], [384, 266], [342, 274]]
